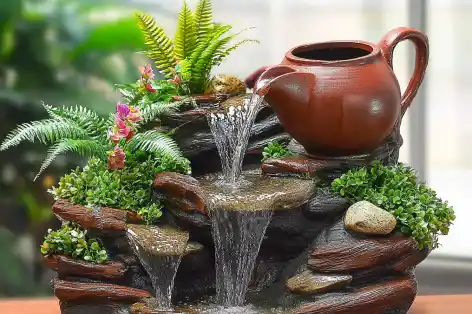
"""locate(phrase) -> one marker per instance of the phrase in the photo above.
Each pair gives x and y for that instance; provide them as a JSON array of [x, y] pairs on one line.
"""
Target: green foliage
[[161, 48], [275, 150], [419, 212], [199, 46], [77, 129], [128, 188], [73, 241]]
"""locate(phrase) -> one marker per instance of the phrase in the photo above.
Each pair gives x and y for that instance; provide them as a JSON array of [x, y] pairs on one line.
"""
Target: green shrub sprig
[[128, 188], [73, 241], [417, 208], [275, 150]]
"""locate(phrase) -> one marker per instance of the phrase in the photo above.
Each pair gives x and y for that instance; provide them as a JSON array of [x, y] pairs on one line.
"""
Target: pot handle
[[387, 45]]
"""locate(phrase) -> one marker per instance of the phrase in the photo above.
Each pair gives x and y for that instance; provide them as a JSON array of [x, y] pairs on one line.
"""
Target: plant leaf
[[203, 20], [160, 47], [85, 148], [155, 142], [47, 131], [185, 38]]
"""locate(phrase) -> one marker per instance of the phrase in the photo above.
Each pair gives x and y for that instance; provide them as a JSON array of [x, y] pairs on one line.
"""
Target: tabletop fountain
[[199, 197]]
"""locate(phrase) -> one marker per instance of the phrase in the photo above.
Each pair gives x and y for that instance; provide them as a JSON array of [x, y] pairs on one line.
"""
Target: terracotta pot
[[342, 97]]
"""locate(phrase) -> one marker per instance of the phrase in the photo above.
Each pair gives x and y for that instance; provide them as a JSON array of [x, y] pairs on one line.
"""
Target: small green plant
[[199, 45], [128, 188], [419, 212], [275, 150], [73, 241], [80, 130]]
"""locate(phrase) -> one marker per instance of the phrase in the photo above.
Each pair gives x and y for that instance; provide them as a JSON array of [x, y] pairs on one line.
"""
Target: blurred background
[[73, 51]]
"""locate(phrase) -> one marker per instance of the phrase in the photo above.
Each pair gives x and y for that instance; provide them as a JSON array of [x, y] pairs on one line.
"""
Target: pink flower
[[146, 72], [176, 80], [116, 158], [115, 138], [134, 115], [122, 111], [149, 88], [122, 130]]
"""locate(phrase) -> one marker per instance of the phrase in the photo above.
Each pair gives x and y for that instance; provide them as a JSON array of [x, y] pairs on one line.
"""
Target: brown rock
[[193, 247], [365, 217], [375, 299], [310, 283], [405, 263], [181, 190], [69, 267], [336, 250], [293, 165], [103, 219], [67, 291]]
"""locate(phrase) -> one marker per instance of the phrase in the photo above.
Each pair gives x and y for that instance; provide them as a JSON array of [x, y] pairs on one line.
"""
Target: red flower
[[116, 158], [134, 115], [146, 72]]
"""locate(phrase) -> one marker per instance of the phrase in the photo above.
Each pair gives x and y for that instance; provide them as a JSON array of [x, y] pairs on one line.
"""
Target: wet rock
[[69, 267], [336, 250], [293, 165], [365, 217], [374, 299], [159, 249], [181, 190], [325, 204], [98, 219], [308, 283], [68, 291], [103, 308], [262, 194], [193, 247], [157, 240]]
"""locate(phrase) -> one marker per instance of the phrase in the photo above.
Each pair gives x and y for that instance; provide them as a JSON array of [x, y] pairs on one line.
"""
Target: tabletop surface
[[444, 304]]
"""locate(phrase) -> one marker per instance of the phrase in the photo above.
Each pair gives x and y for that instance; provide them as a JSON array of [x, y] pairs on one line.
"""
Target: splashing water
[[238, 236], [160, 251], [231, 131]]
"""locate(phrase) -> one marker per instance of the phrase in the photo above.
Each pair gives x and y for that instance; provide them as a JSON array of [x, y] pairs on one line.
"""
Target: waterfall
[[160, 250], [238, 236], [231, 131]]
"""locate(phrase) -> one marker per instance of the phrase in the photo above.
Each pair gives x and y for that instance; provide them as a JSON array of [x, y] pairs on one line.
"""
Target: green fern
[[199, 46], [203, 20], [85, 148], [161, 48], [46, 131], [155, 142], [185, 37], [87, 119], [152, 111]]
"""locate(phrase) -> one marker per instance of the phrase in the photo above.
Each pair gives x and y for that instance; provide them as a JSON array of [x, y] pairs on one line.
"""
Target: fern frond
[[185, 37], [203, 20], [155, 142], [85, 148], [47, 131], [220, 56], [152, 111], [84, 117], [197, 76], [161, 49]]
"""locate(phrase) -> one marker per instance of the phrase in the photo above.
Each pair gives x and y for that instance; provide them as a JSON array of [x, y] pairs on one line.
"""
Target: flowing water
[[237, 232], [231, 131], [160, 250]]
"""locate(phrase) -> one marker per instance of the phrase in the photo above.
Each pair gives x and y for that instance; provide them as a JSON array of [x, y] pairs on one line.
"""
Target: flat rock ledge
[[375, 299], [70, 291], [69, 267], [307, 283], [294, 165], [99, 219], [336, 250], [181, 190]]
